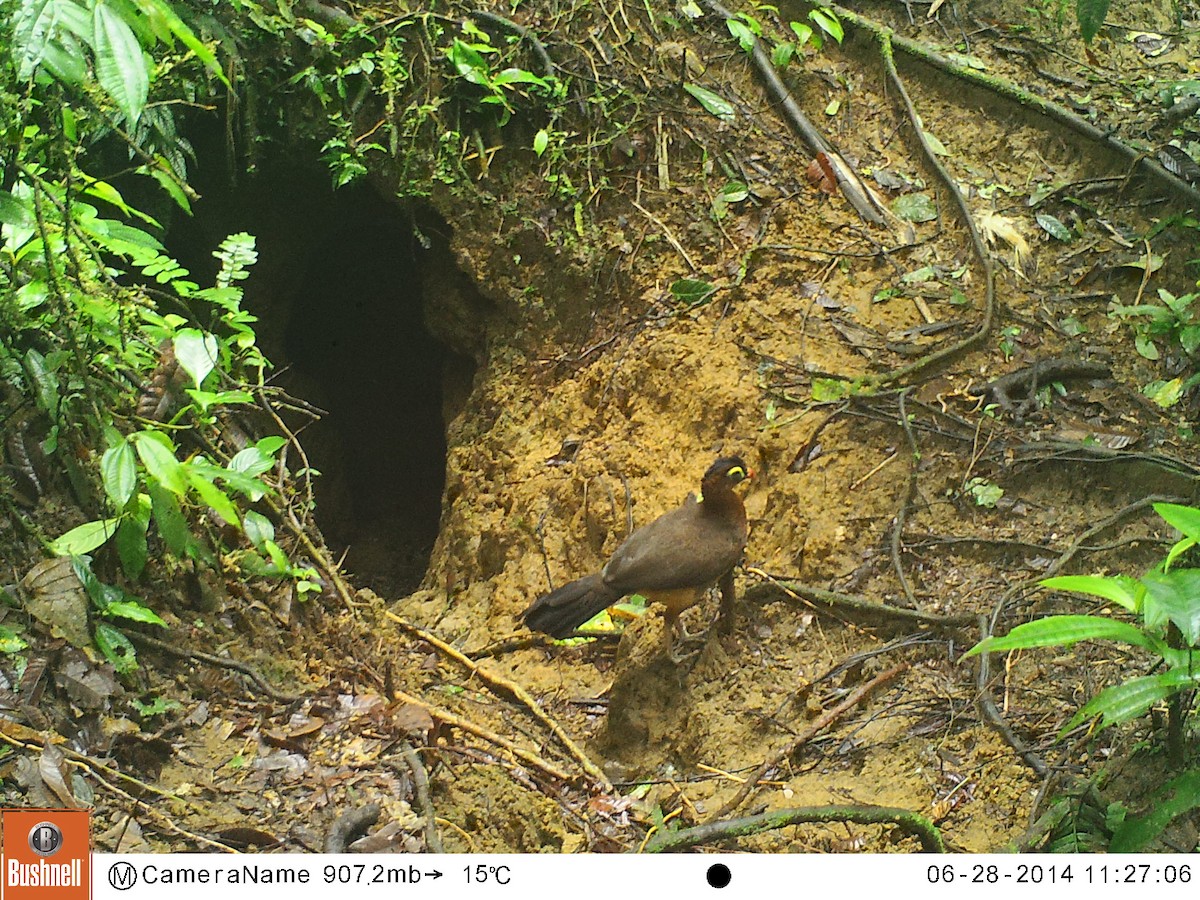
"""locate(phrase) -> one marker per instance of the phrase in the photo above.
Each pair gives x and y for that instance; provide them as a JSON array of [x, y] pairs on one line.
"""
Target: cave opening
[[339, 289]]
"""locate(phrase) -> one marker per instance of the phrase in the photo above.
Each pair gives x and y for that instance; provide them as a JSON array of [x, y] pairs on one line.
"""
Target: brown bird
[[672, 560]]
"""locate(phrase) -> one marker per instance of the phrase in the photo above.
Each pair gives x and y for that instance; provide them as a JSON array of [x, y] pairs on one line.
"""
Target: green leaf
[[116, 648], [828, 23], [118, 471], [196, 352], [803, 32], [1122, 702], [46, 380], [84, 538], [916, 207], [1176, 595], [259, 529], [1054, 631], [826, 390], [1178, 796], [169, 519], [158, 456], [121, 67], [714, 103], [213, 496], [134, 611], [541, 141], [782, 54], [10, 641], [14, 212], [1120, 589], [251, 461], [1090, 14], [131, 537], [1054, 227], [166, 22], [1185, 519], [692, 291], [744, 34]]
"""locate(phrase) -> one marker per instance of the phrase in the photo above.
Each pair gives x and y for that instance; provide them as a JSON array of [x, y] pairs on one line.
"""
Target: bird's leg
[[725, 614]]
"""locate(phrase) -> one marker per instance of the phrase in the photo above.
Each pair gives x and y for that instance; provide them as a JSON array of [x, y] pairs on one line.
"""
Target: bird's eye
[[737, 473]]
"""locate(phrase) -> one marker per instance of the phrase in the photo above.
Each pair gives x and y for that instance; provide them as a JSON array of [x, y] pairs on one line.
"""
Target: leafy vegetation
[[105, 341], [1167, 601]]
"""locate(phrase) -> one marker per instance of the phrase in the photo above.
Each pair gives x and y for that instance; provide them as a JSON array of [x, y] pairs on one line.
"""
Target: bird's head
[[731, 469]]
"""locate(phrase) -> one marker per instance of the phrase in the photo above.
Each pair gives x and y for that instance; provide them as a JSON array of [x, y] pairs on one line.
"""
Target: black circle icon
[[45, 839], [719, 875]]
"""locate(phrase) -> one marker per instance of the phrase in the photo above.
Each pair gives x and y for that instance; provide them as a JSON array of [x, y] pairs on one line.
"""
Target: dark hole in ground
[[339, 291]]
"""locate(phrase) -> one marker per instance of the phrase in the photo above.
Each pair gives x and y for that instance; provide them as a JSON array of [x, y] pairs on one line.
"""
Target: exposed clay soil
[[584, 347]]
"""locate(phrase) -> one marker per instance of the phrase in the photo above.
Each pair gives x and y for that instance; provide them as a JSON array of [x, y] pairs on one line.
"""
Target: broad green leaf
[[826, 390], [1176, 594], [197, 353], [169, 518], [158, 456], [1178, 796], [915, 207], [100, 592], [121, 66], [118, 471], [1063, 631], [213, 496], [541, 141], [84, 538], [714, 103], [270, 445], [1054, 227], [46, 380], [34, 26], [251, 461], [165, 21], [1090, 14], [782, 54], [692, 291], [116, 648], [1122, 702], [803, 32], [519, 76], [1184, 518], [744, 34], [1120, 589], [134, 611], [15, 212], [258, 529], [828, 23], [131, 537], [10, 641]]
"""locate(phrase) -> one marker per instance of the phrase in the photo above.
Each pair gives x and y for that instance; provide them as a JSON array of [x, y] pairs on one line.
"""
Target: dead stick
[[433, 839], [491, 737], [827, 718], [516, 690], [712, 832]]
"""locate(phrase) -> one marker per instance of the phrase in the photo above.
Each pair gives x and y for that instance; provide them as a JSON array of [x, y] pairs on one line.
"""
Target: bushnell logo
[[45, 839]]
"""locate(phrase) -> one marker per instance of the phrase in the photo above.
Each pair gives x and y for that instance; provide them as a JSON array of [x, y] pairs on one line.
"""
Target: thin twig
[[433, 838], [498, 681], [218, 661], [444, 715], [850, 602], [910, 491], [828, 718], [714, 832]]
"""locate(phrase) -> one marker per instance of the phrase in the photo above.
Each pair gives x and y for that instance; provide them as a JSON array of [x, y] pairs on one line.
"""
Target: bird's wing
[[681, 549]]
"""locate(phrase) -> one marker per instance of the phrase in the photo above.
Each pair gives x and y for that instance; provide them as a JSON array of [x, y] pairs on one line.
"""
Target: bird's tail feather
[[563, 610]]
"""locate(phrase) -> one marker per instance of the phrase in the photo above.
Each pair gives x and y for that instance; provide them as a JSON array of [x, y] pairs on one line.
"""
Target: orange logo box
[[47, 854]]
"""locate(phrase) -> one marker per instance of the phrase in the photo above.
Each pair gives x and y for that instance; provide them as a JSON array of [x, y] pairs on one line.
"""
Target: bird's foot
[[686, 646]]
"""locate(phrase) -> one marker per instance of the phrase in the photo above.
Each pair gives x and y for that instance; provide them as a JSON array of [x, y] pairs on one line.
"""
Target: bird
[[671, 560]]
